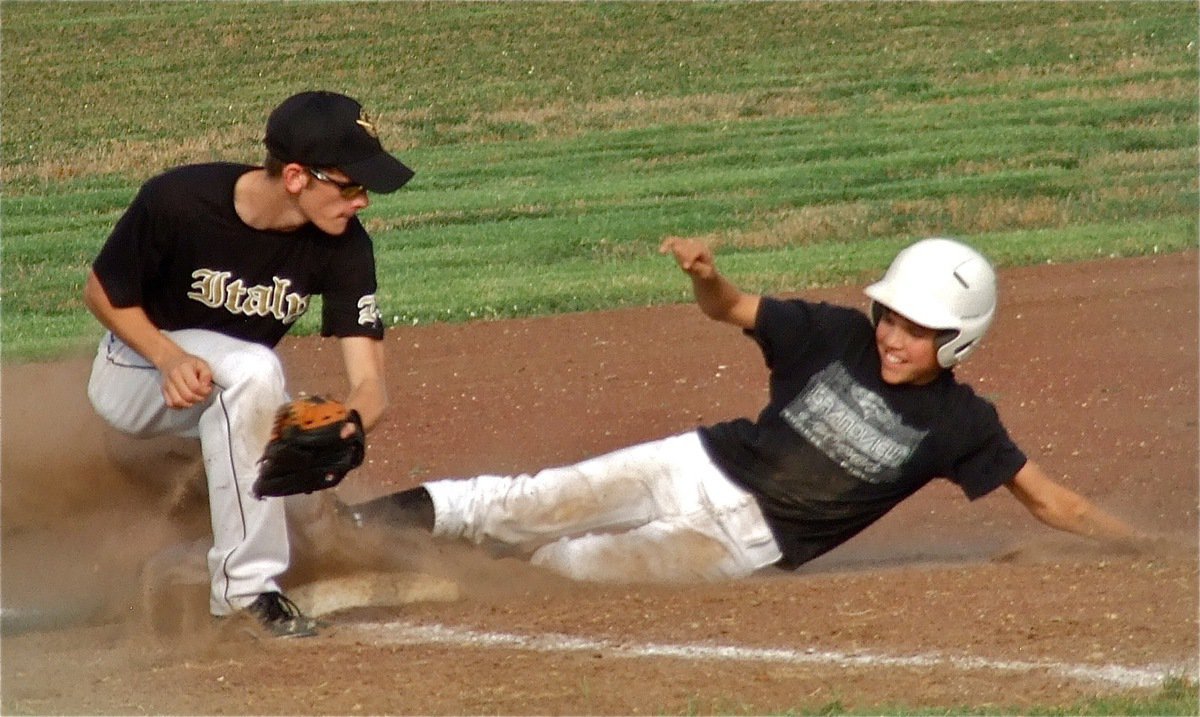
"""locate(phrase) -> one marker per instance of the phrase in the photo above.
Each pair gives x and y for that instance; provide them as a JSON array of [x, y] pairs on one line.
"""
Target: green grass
[[1176, 696], [557, 144]]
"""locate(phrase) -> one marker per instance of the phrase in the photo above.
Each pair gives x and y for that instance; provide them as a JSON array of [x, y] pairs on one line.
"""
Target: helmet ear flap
[[948, 355]]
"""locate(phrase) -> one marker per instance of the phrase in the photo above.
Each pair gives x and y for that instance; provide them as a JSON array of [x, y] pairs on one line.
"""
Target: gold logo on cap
[[365, 122]]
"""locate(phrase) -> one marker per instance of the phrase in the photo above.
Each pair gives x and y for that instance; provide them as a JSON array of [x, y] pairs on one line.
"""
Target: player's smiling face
[[907, 350], [328, 204]]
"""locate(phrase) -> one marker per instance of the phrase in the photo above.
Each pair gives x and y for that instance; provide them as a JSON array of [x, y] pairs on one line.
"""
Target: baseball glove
[[306, 451]]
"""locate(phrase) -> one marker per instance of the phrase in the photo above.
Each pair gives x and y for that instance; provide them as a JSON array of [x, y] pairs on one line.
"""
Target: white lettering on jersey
[[852, 426], [368, 311], [216, 290]]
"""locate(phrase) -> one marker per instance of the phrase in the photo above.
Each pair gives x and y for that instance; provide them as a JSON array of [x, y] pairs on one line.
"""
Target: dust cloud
[[97, 527], [81, 507]]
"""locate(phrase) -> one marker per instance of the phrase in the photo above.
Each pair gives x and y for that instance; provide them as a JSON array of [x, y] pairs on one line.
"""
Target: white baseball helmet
[[940, 284]]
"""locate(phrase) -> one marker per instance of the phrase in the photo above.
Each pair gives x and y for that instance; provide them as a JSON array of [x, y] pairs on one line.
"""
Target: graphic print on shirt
[[852, 426], [368, 311], [217, 289]]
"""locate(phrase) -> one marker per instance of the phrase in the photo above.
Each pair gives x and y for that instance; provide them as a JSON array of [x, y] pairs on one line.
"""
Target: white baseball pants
[[659, 511], [250, 540]]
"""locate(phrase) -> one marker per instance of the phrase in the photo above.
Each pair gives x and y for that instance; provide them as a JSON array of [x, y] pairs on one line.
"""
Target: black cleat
[[280, 616]]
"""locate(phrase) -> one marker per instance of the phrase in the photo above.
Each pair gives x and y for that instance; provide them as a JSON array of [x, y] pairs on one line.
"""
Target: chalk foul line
[[403, 633]]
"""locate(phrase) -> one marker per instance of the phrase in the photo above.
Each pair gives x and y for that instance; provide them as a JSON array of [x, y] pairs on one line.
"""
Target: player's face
[[907, 350], [330, 200]]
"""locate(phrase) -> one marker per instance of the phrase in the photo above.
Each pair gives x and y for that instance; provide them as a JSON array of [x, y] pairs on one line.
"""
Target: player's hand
[[693, 256], [187, 380]]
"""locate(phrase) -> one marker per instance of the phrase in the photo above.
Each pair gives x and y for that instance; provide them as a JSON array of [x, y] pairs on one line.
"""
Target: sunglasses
[[348, 190]]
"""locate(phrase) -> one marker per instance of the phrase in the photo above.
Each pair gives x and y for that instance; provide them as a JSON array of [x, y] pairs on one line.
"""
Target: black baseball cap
[[329, 130]]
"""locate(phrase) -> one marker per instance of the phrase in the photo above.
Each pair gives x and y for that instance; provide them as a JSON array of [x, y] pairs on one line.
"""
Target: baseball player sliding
[[203, 275], [864, 410]]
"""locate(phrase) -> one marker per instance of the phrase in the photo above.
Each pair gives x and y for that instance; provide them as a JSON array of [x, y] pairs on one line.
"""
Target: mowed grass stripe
[[568, 139]]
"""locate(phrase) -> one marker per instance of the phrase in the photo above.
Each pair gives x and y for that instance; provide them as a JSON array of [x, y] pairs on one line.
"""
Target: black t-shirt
[[181, 252], [836, 447]]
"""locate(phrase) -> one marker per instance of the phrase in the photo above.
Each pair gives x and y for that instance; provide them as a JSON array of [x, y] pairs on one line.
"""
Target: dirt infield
[[943, 603]]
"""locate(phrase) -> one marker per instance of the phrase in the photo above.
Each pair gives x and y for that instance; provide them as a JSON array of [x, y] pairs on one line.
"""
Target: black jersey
[[181, 253], [836, 447]]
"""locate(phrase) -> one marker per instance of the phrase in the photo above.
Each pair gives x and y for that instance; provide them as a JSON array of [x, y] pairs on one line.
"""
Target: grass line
[[557, 148]]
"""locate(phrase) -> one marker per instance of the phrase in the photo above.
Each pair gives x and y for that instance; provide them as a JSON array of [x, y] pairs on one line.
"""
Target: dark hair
[[273, 166]]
